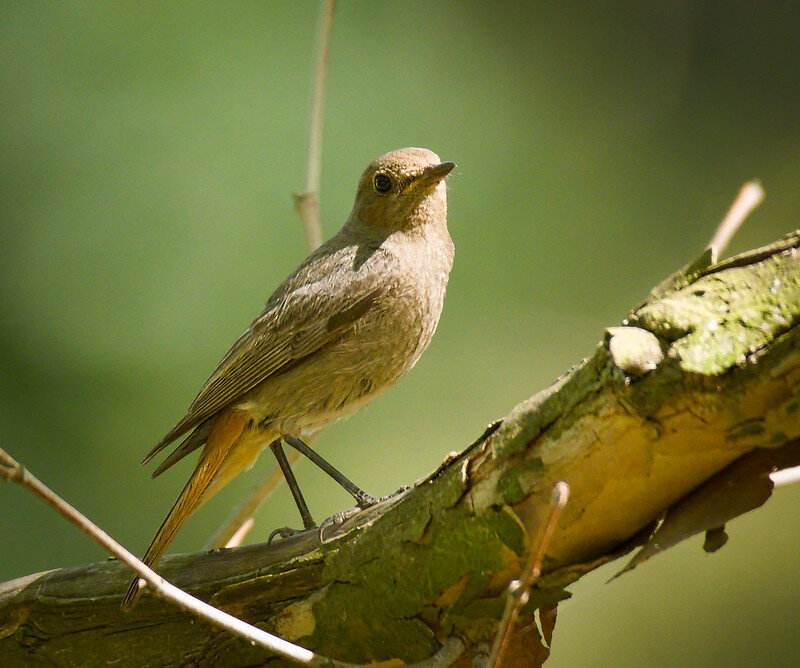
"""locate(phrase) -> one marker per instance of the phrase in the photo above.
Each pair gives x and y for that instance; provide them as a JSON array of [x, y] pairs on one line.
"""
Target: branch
[[695, 393]]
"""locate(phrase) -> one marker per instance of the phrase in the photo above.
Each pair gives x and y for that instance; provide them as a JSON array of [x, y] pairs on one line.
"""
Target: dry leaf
[[741, 487]]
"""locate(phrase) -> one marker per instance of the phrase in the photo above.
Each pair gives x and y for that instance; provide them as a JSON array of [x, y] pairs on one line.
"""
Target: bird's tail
[[202, 485]]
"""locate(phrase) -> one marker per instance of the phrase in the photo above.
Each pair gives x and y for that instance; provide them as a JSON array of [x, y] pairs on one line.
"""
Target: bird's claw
[[400, 490], [283, 532], [364, 500], [336, 520]]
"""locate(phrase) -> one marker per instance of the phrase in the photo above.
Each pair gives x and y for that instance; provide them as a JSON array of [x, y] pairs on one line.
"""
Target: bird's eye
[[382, 183]]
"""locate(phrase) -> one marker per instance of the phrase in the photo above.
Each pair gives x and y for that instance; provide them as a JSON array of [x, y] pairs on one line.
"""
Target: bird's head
[[403, 190]]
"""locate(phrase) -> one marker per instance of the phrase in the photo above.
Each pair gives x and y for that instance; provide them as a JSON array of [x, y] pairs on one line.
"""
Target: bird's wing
[[304, 321]]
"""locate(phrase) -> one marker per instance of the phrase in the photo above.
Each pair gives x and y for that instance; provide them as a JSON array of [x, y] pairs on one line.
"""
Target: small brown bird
[[350, 321]]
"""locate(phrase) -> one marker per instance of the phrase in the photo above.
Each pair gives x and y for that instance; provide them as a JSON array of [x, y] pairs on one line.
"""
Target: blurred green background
[[149, 151]]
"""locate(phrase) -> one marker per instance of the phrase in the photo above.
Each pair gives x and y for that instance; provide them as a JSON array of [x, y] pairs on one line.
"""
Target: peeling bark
[[703, 373]]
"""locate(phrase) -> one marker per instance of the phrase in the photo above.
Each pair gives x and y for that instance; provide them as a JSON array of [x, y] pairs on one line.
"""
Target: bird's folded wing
[[301, 324]]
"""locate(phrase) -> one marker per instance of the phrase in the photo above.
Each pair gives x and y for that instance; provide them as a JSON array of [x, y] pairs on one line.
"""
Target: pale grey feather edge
[[298, 321]]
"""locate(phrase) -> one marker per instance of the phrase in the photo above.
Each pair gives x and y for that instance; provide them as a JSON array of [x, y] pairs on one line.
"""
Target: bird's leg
[[363, 499], [286, 469]]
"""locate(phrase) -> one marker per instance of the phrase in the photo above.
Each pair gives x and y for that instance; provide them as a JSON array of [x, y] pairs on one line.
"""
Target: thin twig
[[238, 537], [785, 476], [518, 589], [240, 522], [12, 470], [750, 196], [307, 203]]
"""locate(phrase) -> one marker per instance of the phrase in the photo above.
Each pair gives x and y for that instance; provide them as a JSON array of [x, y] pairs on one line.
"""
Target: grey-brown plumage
[[351, 320]]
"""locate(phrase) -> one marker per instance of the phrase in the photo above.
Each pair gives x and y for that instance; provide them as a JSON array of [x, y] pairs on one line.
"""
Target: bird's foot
[[398, 492], [364, 500], [285, 532], [336, 520]]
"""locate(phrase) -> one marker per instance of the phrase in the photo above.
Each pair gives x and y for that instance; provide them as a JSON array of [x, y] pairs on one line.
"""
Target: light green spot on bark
[[706, 337]]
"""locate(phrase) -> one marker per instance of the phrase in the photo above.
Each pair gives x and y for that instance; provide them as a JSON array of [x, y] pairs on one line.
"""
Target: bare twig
[[307, 203], [238, 525], [749, 197], [518, 589], [238, 537], [12, 470], [785, 476]]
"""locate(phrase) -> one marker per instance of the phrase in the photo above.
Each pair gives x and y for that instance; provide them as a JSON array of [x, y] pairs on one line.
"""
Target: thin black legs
[[286, 469], [363, 499]]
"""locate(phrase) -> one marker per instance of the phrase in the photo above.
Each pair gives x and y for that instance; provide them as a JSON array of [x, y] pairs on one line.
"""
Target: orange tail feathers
[[227, 429]]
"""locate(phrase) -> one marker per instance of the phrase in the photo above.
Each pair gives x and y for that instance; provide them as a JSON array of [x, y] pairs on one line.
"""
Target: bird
[[350, 321]]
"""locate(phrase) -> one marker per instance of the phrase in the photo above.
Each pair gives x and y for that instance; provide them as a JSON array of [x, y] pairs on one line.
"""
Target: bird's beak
[[433, 175]]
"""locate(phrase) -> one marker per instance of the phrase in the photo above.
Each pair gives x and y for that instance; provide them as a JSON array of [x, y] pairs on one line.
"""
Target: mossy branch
[[702, 375]]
